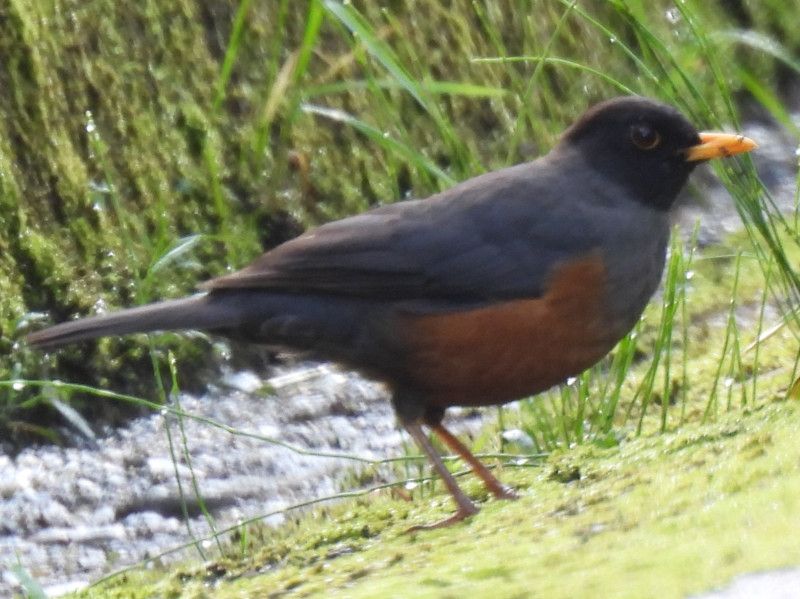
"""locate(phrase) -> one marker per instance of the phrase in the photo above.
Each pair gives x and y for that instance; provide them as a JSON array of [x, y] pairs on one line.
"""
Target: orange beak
[[719, 145]]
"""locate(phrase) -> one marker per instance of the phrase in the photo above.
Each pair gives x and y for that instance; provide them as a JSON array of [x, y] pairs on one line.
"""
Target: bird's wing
[[494, 236]]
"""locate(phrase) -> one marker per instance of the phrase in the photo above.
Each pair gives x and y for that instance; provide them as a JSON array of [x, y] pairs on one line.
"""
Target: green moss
[[678, 514]]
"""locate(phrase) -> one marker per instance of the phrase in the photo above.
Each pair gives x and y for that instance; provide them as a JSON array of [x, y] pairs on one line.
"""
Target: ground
[[672, 515]]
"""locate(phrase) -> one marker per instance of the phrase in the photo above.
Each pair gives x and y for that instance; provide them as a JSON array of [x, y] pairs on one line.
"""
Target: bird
[[495, 289]]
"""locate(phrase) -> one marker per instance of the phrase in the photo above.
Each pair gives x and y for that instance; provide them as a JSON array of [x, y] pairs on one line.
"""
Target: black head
[[640, 144]]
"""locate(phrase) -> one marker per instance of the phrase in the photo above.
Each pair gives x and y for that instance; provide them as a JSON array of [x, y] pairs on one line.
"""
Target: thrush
[[496, 289]]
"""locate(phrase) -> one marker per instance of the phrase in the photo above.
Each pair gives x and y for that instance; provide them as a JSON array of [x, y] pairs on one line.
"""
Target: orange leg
[[465, 506], [497, 488]]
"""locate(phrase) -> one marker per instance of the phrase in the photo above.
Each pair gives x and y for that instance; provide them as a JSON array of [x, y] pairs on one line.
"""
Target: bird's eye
[[645, 137]]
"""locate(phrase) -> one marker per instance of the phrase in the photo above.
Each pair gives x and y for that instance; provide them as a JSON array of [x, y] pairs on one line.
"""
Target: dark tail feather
[[196, 312]]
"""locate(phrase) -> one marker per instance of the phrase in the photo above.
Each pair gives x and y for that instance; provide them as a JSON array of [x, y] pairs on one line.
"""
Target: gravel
[[71, 515]]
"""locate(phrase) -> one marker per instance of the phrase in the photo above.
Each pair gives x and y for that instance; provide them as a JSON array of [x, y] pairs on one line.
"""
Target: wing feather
[[479, 240]]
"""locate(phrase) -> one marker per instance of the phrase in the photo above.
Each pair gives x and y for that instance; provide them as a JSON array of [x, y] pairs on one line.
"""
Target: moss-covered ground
[[665, 516]]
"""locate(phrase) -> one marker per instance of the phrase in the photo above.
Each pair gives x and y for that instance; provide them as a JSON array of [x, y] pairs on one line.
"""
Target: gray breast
[[634, 256]]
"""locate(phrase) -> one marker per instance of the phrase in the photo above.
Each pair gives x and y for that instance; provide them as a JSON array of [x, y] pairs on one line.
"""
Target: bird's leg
[[497, 488], [465, 506]]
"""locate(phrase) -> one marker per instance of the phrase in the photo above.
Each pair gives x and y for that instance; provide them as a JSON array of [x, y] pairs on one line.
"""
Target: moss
[[677, 513]]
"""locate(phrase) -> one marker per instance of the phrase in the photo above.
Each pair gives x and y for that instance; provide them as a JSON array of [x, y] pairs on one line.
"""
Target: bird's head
[[647, 147]]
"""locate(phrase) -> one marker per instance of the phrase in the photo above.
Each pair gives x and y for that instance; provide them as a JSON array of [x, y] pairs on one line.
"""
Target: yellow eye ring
[[645, 137]]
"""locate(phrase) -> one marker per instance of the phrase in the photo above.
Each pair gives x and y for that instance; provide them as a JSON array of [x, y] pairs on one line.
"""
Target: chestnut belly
[[511, 349]]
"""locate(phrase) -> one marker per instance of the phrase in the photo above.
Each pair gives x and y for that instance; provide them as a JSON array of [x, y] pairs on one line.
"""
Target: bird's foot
[[463, 513]]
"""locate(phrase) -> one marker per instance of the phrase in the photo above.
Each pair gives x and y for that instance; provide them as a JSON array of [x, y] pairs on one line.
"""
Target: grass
[[130, 171]]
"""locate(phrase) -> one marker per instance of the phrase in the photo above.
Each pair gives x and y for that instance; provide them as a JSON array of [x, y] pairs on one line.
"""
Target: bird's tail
[[195, 312]]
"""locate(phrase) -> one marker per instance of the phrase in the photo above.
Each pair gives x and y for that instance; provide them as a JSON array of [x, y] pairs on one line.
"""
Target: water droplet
[[100, 186], [571, 381], [728, 382], [689, 275], [90, 124], [612, 39], [673, 16], [18, 385], [100, 306]]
